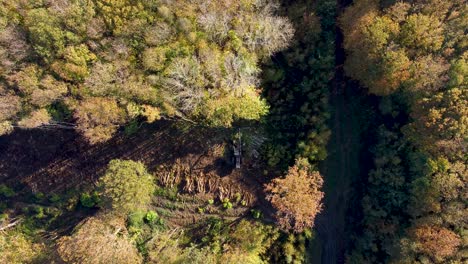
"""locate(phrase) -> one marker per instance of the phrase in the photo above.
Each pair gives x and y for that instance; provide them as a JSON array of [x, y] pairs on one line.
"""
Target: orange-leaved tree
[[435, 241], [296, 197]]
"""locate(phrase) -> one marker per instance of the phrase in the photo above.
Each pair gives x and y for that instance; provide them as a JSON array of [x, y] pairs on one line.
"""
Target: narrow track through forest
[[341, 167]]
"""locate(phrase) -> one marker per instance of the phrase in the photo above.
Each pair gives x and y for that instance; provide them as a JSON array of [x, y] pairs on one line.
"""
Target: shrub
[[6, 191], [226, 203], [89, 200], [136, 219], [54, 198], [151, 216], [256, 214]]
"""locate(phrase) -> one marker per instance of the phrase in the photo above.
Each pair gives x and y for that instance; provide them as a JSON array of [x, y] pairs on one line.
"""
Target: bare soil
[[55, 161]]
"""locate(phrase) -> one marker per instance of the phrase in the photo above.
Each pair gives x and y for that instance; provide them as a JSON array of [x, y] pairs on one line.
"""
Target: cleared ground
[[191, 159]]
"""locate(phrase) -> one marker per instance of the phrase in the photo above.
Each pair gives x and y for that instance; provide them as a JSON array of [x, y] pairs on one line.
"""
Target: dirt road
[[342, 164]]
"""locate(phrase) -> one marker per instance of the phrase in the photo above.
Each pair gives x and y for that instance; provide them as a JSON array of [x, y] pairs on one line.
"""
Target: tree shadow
[[54, 161]]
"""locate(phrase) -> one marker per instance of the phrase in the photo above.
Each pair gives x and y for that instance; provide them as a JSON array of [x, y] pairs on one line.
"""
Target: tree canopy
[[413, 53], [296, 197], [126, 186], [197, 60]]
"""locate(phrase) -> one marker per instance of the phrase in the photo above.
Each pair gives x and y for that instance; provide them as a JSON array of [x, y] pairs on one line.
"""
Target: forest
[[233, 131]]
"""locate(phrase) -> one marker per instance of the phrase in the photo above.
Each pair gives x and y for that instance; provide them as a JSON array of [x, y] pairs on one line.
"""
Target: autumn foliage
[[435, 241], [296, 197], [413, 54], [107, 61]]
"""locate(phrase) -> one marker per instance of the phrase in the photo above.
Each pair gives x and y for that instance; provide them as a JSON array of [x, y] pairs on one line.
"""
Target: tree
[[402, 44], [45, 32], [435, 241], [26, 80], [13, 47], [155, 58], [99, 241], [427, 74], [296, 197], [440, 123], [126, 186], [35, 119], [6, 128], [164, 247], [159, 34], [251, 239], [75, 15], [384, 200], [74, 65], [48, 91], [172, 56], [98, 118], [422, 33], [422, 62], [222, 111], [118, 13], [10, 105], [185, 83], [17, 248]]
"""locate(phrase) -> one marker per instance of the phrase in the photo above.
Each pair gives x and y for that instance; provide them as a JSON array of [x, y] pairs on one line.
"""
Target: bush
[[3, 217], [256, 214], [89, 200], [169, 193], [3, 206], [39, 196], [227, 204], [71, 203], [6, 191], [151, 216], [238, 197], [161, 222], [54, 198], [39, 212], [136, 219], [132, 127]]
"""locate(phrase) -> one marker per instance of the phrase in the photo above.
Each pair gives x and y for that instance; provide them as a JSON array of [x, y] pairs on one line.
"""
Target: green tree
[[74, 66], [422, 33], [126, 186], [44, 30]]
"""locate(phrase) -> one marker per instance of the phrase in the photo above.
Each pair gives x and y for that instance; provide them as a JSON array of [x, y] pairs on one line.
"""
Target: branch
[[12, 224]]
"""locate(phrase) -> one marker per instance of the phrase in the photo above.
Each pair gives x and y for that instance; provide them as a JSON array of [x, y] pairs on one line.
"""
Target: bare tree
[[267, 33], [9, 106], [13, 48], [185, 83], [239, 74]]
